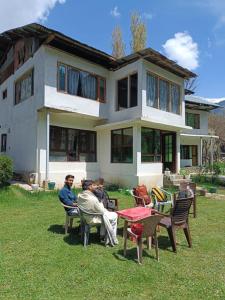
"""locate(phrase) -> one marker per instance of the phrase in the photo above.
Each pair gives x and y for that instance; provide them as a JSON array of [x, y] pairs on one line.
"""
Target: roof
[[58, 40], [199, 103]]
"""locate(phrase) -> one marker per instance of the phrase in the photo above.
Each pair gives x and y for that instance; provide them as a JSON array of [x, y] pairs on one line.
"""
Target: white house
[[69, 108]]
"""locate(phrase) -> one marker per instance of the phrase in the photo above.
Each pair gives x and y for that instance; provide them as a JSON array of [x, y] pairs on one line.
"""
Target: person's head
[[88, 185], [69, 180]]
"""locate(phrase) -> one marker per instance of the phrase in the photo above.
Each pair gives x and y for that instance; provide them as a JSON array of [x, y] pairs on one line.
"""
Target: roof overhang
[[200, 106], [206, 136]]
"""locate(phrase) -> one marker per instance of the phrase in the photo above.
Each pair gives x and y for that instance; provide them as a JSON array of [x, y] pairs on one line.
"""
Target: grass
[[39, 262]]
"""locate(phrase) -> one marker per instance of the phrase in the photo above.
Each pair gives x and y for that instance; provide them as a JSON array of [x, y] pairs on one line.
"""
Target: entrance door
[[169, 151], [194, 155]]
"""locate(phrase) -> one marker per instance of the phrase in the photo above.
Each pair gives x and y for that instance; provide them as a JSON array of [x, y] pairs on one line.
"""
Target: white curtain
[[152, 91]]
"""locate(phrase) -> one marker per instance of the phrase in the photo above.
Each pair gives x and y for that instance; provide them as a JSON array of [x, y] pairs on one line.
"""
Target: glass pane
[[62, 78], [73, 144], [150, 145], [73, 76], [128, 137], [163, 95], [127, 155], [133, 90], [122, 86], [102, 89], [57, 138], [175, 99], [152, 91]]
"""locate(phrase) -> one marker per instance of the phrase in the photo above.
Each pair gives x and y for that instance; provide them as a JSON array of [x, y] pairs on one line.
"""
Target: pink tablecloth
[[135, 213]]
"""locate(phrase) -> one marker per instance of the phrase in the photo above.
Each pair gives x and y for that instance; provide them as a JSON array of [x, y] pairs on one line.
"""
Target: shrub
[[6, 169]]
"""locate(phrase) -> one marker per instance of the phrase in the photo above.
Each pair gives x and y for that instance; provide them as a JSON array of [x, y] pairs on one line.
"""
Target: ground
[[39, 262]]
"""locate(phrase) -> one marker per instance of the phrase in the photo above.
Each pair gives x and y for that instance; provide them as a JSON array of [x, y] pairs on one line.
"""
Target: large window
[[150, 145], [185, 152], [163, 94], [3, 142], [127, 92], [80, 83], [122, 145], [72, 144], [193, 120], [24, 87]]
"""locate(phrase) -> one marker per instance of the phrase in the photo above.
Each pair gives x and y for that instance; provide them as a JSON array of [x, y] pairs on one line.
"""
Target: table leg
[[125, 237]]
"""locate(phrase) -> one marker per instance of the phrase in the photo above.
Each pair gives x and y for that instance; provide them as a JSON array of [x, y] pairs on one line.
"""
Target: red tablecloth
[[135, 213]]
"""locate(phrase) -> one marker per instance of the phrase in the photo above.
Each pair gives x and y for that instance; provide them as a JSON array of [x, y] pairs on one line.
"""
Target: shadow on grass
[[55, 228], [131, 254]]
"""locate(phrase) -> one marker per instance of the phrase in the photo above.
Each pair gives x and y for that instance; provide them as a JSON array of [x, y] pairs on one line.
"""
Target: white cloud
[[183, 50], [115, 12], [14, 13], [148, 16]]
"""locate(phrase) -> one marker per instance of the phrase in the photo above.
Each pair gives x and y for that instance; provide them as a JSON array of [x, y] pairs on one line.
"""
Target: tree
[[118, 46], [138, 33], [191, 85]]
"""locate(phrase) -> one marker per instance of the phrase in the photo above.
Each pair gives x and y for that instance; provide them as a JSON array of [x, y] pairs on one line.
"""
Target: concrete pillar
[[47, 144], [178, 152], [201, 151]]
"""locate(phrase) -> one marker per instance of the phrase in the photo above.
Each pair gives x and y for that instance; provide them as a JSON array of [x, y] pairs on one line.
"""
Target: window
[[24, 87], [162, 94], [3, 142], [122, 145], [193, 120], [185, 152], [150, 145], [72, 144], [80, 83], [4, 94], [127, 90]]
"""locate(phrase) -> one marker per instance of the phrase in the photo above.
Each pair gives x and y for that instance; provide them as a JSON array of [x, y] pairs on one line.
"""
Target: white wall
[[20, 121], [189, 140]]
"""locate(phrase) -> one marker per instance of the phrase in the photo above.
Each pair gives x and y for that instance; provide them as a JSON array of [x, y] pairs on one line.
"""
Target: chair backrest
[[159, 194], [186, 185], [142, 192], [149, 225], [180, 211]]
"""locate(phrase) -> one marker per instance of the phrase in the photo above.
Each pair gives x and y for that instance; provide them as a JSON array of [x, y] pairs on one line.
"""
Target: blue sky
[[191, 32]]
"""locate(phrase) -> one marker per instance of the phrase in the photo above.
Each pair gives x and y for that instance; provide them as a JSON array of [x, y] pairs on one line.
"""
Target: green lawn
[[37, 261]]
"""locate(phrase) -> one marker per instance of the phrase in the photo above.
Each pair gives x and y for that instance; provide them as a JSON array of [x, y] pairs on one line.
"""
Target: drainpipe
[[201, 151], [212, 153], [47, 145]]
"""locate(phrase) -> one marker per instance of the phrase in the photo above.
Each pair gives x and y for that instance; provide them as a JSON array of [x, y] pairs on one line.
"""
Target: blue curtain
[[88, 85], [72, 81], [163, 95], [175, 98], [152, 91]]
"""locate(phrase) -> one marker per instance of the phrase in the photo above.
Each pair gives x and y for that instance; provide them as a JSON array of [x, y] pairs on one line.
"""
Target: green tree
[[118, 46], [138, 33]]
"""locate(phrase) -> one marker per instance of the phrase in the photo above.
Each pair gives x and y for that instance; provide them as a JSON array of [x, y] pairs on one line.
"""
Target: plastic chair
[[178, 219], [141, 196], [161, 198], [69, 219], [149, 231], [192, 186], [86, 224]]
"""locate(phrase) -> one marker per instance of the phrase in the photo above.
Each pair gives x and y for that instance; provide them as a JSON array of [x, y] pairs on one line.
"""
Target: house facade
[[69, 108]]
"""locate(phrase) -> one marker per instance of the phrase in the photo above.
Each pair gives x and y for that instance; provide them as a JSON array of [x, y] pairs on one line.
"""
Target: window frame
[[152, 155], [3, 142], [169, 105], [19, 80], [98, 77], [185, 152], [196, 119], [128, 90], [67, 144], [4, 94], [122, 146]]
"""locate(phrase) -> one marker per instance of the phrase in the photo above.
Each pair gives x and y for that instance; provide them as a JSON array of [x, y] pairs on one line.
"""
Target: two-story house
[[192, 140], [69, 108]]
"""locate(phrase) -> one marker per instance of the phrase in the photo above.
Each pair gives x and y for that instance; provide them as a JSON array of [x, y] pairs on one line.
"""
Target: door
[[194, 155], [169, 151]]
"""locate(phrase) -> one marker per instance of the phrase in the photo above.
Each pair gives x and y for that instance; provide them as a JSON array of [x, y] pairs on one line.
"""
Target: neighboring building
[[192, 140], [69, 108]]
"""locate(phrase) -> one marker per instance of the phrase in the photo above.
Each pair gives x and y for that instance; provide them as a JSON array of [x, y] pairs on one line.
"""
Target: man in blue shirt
[[67, 197]]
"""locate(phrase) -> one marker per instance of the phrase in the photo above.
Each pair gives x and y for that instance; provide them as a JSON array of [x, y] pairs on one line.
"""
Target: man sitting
[[89, 203], [67, 197]]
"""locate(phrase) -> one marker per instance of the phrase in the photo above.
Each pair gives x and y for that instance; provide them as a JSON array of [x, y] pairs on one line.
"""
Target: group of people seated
[[91, 201]]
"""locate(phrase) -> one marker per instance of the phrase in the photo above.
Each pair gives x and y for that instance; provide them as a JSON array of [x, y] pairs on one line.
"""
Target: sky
[[190, 32]]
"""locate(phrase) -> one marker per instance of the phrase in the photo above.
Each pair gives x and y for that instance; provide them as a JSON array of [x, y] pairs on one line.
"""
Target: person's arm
[[63, 196]]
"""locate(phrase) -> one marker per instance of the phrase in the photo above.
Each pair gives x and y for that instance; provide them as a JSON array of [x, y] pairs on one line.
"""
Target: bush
[[6, 169]]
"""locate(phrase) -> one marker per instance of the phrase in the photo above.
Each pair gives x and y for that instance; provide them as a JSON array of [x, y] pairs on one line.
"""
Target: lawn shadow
[[74, 238], [164, 243], [131, 254], [56, 228]]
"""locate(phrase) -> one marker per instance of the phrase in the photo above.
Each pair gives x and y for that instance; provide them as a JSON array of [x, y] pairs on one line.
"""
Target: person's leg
[[113, 220]]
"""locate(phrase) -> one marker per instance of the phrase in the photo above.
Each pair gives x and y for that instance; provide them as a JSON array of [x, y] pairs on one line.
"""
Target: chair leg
[[71, 223], [172, 236], [66, 224], [194, 207], [125, 237], [188, 236], [156, 246], [86, 234], [139, 250], [149, 242]]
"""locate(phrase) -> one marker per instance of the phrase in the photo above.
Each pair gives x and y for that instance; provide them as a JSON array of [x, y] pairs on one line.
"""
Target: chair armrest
[[162, 214], [68, 206], [142, 199], [167, 193], [115, 201]]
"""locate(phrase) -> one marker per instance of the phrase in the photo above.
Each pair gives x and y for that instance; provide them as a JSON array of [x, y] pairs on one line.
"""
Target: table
[[133, 215]]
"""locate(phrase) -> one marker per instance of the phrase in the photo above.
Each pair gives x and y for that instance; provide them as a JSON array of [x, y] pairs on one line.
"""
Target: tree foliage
[[6, 169], [138, 33], [118, 46]]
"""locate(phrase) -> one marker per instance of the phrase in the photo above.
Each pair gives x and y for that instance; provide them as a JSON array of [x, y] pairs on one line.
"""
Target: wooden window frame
[[66, 144], [122, 145], [98, 77], [196, 120], [19, 80], [158, 78], [128, 90], [3, 142], [152, 155]]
